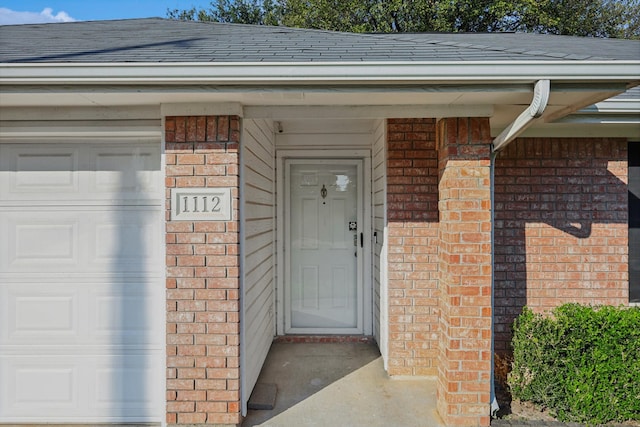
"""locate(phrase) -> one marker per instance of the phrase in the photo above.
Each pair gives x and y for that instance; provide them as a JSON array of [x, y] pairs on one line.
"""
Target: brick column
[[203, 374], [464, 368]]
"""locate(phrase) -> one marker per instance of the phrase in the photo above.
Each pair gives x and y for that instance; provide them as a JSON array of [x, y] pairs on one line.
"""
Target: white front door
[[323, 226]]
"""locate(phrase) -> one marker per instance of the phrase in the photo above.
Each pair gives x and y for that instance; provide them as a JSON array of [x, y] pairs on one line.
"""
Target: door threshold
[[366, 339]]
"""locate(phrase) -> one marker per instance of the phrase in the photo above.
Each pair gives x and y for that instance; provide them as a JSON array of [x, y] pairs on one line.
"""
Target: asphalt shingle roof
[[163, 40]]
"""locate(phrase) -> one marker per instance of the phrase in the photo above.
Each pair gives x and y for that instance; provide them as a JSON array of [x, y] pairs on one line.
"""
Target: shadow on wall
[[412, 246], [560, 227], [133, 365]]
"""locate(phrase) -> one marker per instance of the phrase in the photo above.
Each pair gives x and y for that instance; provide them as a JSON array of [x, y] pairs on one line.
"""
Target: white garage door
[[81, 292]]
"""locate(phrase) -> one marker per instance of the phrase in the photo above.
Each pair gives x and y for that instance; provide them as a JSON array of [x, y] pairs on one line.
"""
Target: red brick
[[211, 170], [223, 373], [192, 373], [190, 283], [224, 419], [211, 294], [179, 227], [211, 362], [191, 418], [201, 128], [210, 227], [192, 350], [220, 395], [180, 129], [561, 263], [202, 276], [191, 396], [211, 407], [181, 384], [190, 260], [211, 384], [191, 181], [179, 170]]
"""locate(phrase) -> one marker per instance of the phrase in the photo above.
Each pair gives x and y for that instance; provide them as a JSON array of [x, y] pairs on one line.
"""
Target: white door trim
[[357, 329], [365, 156]]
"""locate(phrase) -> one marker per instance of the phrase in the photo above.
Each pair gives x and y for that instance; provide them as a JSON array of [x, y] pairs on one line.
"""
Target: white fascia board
[[613, 106], [58, 114], [601, 118], [199, 109], [318, 72], [279, 112]]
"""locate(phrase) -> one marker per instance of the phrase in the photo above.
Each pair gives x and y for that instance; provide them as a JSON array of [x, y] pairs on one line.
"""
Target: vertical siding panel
[[258, 169], [379, 225]]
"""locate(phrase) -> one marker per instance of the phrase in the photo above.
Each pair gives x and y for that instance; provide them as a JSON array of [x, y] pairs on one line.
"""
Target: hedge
[[582, 363]]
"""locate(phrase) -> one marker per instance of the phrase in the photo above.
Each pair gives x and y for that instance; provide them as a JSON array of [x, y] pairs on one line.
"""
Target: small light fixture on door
[[323, 193]]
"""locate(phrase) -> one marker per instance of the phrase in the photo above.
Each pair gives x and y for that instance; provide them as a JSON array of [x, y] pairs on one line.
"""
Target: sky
[[35, 11]]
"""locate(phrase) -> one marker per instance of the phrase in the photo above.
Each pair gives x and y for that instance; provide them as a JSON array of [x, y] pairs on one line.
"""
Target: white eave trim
[[317, 72], [614, 106]]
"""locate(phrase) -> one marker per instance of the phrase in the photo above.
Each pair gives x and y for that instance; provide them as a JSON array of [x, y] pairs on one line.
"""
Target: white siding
[[258, 230], [322, 134], [379, 165]]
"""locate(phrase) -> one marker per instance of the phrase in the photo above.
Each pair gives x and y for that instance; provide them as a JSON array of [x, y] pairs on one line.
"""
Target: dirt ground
[[509, 408], [515, 409]]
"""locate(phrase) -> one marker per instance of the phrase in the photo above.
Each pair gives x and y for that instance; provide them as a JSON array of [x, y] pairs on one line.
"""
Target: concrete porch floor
[[341, 384]]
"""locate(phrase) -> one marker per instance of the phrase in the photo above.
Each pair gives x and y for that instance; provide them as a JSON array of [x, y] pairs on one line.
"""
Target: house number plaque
[[201, 204]]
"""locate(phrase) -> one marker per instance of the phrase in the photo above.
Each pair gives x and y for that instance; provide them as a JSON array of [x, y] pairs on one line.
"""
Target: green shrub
[[582, 363]]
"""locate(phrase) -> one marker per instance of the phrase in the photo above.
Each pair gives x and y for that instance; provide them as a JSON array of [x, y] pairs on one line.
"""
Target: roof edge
[[278, 73]]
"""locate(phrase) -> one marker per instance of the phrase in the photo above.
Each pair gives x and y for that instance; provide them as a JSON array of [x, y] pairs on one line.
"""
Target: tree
[[265, 12], [593, 18]]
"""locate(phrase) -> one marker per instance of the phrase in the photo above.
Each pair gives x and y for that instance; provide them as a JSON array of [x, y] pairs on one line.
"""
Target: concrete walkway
[[341, 384]]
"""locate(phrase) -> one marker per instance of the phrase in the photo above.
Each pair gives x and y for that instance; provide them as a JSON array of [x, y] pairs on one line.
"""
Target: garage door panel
[[31, 316], [39, 243], [123, 314], [80, 240], [127, 239], [40, 170], [39, 388], [38, 238], [126, 382], [39, 313], [125, 171], [33, 386], [76, 172], [45, 386]]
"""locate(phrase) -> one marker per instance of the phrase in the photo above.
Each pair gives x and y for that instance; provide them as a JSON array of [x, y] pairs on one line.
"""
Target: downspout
[[538, 104], [492, 169]]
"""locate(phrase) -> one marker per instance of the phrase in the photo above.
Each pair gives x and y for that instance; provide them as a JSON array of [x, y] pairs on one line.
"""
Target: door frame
[[367, 281]]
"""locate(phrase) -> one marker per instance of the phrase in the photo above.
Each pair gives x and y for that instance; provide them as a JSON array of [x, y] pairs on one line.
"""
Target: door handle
[[362, 240]]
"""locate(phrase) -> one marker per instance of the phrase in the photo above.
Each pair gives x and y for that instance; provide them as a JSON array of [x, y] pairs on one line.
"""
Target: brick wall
[[412, 210], [561, 226], [203, 376], [464, 368]]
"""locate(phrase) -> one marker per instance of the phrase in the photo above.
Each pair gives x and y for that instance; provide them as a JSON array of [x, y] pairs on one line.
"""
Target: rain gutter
[[282, 73]]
